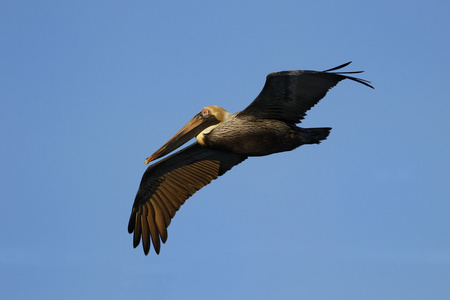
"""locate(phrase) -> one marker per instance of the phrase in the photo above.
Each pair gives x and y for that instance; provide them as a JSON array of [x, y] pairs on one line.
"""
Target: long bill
[[190, 130]]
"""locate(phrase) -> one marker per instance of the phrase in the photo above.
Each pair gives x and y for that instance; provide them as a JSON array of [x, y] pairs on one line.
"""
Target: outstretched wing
[[167, 184], [288, 95]]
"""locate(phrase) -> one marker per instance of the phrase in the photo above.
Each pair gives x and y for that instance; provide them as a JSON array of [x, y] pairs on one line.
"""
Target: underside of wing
[[288, 95], [167, 184]]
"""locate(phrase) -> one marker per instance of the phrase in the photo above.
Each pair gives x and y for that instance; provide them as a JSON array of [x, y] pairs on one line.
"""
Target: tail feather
[[316, 135]]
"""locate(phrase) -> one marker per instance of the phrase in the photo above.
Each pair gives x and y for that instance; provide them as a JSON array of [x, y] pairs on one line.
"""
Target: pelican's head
[[203, 122]]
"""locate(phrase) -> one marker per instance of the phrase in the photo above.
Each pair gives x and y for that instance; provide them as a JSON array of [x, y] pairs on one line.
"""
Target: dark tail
[[315, 135]]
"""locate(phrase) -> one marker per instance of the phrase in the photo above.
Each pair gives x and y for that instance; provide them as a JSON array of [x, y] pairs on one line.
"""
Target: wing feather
[[152, 228], [144, 228], [288, 95], [167, 184], [137, 227], [160, 220], [172, 209], [170, 195]]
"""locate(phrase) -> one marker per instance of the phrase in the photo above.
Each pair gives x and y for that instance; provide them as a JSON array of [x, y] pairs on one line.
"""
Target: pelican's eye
[[205, 112]]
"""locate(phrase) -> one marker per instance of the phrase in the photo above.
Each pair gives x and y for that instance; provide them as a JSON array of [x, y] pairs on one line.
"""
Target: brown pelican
[[224, 140]]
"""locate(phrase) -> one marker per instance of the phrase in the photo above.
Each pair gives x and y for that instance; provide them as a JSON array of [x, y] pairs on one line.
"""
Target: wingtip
[[136, 240], [339, 67], [131, 222], [362, 81]]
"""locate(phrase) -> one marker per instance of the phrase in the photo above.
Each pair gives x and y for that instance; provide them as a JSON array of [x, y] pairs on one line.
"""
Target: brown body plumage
[[224, 140], [257, 137]]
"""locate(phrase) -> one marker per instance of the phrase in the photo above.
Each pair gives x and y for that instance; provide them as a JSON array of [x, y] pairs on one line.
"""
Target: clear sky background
[[89, 89]]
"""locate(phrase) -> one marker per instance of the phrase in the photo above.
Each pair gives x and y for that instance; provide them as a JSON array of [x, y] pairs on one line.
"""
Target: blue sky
[[89, 89]]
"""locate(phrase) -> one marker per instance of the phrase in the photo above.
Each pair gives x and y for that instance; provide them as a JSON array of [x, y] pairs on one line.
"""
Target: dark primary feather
[[167, 184], [288, 95]]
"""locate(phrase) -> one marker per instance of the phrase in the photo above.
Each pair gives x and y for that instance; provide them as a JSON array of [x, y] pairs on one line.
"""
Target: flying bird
[[224, 140]]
